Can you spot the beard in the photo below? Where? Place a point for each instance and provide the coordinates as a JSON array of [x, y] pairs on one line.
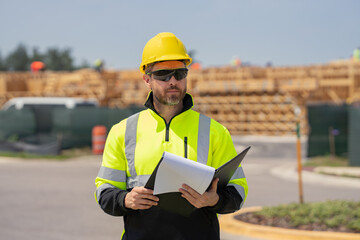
[[170, 99]]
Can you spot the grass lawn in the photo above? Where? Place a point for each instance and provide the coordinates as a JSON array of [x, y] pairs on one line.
[[335, 216], [327, 161], [65, 154]]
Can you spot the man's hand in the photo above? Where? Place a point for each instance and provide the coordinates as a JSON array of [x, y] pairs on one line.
[[140, 198], [209, 199]]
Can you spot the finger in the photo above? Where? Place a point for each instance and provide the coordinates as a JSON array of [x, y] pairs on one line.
[[142, 206], [191, 191], [190, 199], [195, 201], [213, 186], [143, 190], [149, 196], [186, 194], [146, 202]]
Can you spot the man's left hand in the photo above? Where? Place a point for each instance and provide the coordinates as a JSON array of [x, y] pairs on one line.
[[209, 199]]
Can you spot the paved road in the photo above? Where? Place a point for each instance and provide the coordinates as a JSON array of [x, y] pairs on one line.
[[53, 200]]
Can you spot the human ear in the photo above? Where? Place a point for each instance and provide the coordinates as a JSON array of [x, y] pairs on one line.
[[146, 79]]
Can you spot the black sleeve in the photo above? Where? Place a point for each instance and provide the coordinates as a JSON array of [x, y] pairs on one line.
[[112, 202], [229, 200]]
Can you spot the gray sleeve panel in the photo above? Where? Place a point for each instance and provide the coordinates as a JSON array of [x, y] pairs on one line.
[[130, 142], [239, 173], [203, 139], [112, 174], [102, 188]]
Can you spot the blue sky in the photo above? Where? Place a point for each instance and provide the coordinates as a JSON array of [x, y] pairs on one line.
[[285, 33]]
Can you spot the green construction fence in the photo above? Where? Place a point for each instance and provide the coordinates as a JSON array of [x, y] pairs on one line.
[[73, 127], [354, 136], [328, 129], [16, 124]]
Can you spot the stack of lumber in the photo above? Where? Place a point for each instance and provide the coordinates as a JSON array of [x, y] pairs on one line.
[[247, 100], [250, 114], [127, 89]]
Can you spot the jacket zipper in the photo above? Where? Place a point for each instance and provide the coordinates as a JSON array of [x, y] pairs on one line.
[[167, 131], [185, 147]]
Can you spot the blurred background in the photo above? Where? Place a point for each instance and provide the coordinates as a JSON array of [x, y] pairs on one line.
[[276, 73], [259, 67]]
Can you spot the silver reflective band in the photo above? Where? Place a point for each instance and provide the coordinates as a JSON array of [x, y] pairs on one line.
[[100, 189], [112, 174], [130, 145], [240, 190], [130, 142], [203, 139], [98, 138], [137, 181], [239, 173]]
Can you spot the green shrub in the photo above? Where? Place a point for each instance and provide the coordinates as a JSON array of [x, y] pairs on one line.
[[332, 214]]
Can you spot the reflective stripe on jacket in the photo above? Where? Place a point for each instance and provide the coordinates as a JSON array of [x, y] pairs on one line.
[[135, 145]]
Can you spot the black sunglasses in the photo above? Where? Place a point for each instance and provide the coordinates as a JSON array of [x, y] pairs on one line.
[[166, 74]]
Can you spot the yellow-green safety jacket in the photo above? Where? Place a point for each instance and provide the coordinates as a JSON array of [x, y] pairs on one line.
[[133, 149]]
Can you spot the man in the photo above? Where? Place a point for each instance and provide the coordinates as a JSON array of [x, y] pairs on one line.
[[356, 54], [37, 66], [135, 145]]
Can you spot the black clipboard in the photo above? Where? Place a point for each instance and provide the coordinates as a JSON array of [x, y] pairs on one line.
[[173, 202], [227, 170]]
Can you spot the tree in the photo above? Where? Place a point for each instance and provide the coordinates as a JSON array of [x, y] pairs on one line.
[[36, 55], [84, 64], [58, 60], [18, 60], [2, 64], [192, 54], [55, 59], [67, 60]]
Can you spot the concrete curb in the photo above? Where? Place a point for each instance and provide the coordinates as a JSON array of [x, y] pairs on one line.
[[228, 223], [288, 172], [339, 171]]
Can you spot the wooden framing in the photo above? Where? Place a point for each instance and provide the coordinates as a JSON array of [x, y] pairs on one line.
[[247, 100]]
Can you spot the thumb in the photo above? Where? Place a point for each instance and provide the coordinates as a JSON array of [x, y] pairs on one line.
[[214, 183]]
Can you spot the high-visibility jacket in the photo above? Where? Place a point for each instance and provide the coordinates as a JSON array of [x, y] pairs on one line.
[[133, 149]]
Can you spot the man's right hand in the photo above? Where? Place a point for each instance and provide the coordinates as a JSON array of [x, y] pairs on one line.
[[140, 198]]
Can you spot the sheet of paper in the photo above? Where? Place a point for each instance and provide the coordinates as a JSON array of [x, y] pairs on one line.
[[174, 171]]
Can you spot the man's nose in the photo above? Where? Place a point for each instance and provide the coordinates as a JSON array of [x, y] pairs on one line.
[[172, 80]]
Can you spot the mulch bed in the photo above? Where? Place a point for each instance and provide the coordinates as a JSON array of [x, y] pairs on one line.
[[284, 223]]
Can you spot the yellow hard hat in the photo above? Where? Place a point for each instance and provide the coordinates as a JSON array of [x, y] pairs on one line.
[[164, 47]]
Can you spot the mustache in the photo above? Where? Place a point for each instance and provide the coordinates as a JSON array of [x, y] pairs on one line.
[[173, 87]]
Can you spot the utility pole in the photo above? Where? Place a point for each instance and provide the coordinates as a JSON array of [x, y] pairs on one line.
[[297, 111]]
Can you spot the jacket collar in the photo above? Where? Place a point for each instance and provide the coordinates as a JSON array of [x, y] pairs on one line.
[[188, 102]]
